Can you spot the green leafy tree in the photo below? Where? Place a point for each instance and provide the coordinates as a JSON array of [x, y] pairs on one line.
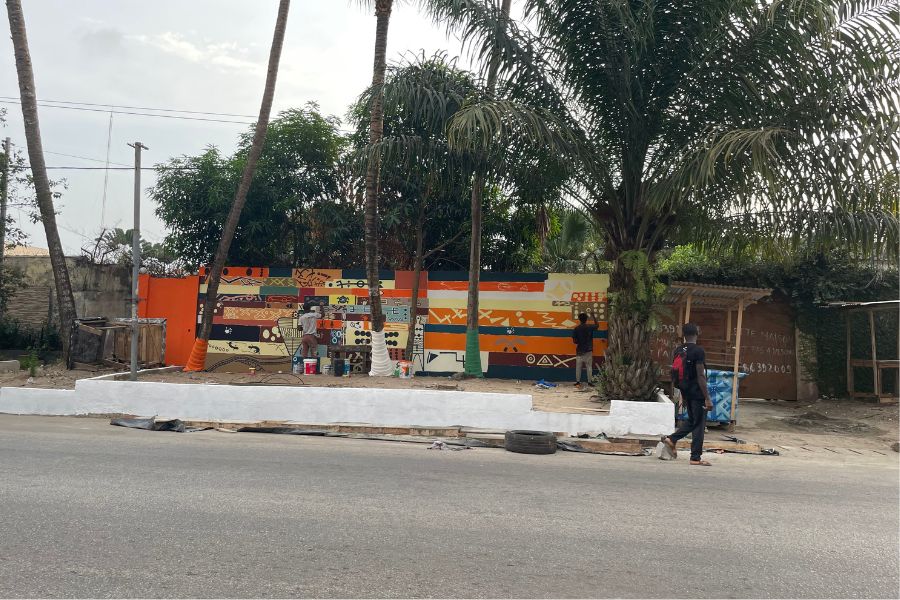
[[300, 208], [734, 123]]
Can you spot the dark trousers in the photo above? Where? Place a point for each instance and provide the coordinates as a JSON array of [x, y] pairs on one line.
[[695, 425]]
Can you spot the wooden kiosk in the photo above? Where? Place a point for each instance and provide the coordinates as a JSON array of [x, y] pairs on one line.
[[877, 366], [682, 297]]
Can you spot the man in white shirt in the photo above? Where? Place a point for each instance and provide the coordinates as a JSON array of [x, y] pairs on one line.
[[309, 343]]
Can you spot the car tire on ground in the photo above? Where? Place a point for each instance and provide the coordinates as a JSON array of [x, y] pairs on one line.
[[530, 442]]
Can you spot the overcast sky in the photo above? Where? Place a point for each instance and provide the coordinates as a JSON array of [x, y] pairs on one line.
[[201, 55]]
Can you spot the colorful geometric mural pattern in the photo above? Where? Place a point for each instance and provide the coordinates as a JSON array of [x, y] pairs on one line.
[[525, 319]]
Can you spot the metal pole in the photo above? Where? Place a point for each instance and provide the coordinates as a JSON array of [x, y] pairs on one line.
[[136, 258]]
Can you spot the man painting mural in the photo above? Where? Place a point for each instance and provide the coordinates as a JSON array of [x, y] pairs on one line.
[[689, 376], [583, 336], [309, 343]]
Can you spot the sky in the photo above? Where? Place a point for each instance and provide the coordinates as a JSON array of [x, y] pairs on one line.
[[197, 55]]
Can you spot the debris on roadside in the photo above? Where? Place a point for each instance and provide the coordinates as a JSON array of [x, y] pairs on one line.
[[152, 424], [439, 445]]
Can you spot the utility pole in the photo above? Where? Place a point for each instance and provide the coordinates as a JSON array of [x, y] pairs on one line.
[[4, 190], [136, 258]]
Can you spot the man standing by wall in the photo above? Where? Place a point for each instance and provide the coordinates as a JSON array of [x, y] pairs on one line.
[[309, 343], [689, 376], [583, 336]]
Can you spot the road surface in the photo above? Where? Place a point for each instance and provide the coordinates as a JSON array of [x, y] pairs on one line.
[[91, 510]]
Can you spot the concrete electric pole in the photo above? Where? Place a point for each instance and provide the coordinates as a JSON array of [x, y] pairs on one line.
[[136, 258]]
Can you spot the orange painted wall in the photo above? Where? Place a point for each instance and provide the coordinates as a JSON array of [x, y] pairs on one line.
[[173, 299]]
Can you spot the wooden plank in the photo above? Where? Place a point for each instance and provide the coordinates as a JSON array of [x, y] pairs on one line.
[[495, 440], [603, 446], [849, 357], [737, 357], [723, 445], [876, 373], [687, 306], [85, 366], [222, 424]]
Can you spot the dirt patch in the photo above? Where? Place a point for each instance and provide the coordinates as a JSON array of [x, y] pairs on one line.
[[815, 422], [53, 377]]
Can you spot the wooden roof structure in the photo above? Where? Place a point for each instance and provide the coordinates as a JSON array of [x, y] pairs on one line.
[[684, 296], [872, 362]]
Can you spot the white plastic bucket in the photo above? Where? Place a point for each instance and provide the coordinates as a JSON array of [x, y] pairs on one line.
[[309, 366], [406, 370]]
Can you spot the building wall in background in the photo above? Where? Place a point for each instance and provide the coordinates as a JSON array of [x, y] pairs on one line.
[[99, 290]]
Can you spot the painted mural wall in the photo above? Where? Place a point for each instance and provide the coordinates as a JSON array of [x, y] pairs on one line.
[[525, 319]]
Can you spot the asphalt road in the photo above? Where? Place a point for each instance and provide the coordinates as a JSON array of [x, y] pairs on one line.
[[91, 510]]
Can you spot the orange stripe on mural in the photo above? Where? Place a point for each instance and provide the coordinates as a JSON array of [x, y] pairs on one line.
[[503, 318], [489, 286], [509, 344]]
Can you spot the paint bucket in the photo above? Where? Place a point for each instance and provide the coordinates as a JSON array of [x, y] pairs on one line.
[[326, 370], [347, 368], [406, 370], [338, 367], [309, 366]]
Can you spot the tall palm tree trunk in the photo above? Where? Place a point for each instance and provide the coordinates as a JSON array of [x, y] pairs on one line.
[[472, 365], [418, 263], [629, 371], [64, 297], [198, 352], [380, 359]]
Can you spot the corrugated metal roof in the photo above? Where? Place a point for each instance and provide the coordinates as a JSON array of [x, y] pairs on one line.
[[711, 295]]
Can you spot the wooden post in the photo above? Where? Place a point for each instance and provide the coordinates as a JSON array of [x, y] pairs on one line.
[[687, 306], [850, 389], [728, 327], [876, 375], [737, 357]]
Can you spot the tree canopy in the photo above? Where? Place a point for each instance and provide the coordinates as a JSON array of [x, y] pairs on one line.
[[301, 208]]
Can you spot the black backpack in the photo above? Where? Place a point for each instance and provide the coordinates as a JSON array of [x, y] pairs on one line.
[[684, 371]]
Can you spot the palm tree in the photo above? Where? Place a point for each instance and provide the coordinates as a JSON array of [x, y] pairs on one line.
[[44, 194], [740, 125], [198, 352], [424, 178], [575, 247], [473, 350], [380, 359]]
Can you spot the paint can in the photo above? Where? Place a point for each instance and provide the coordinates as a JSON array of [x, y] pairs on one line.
[[309, 366], [253, 370], [347, 367], [326, 370], [338, 366], [406, 370]]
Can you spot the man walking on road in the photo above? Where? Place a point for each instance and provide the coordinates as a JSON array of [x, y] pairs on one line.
[[583, 336], [689, 376]]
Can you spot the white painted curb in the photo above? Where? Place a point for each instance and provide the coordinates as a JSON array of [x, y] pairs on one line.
[[387, 407]]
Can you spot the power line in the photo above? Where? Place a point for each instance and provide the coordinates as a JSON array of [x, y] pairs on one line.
[[84, 158], [190, 112], [140, 114], [74, 168]]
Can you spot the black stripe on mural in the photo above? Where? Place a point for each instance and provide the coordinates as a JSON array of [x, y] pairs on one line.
[[236, 333]]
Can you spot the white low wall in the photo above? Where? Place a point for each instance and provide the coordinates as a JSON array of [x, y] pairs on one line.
[[332, 405]]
